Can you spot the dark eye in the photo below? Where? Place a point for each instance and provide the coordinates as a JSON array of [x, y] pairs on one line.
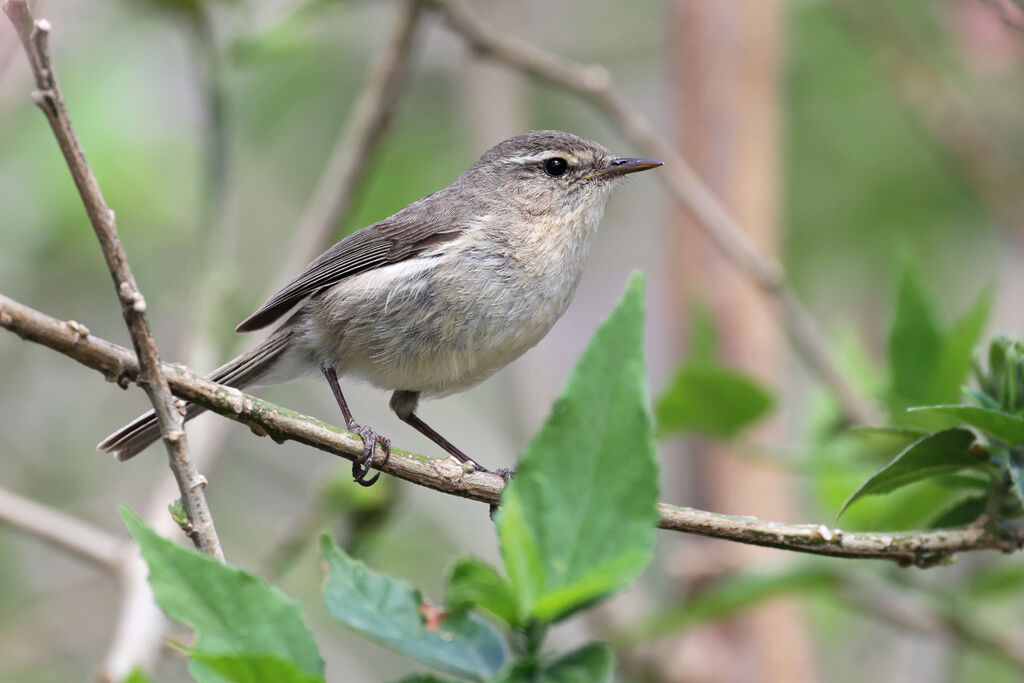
[[556, 166]]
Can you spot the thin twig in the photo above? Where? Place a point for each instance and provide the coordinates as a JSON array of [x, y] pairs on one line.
[[62, 531], [34, 38], [370, 118], [141, 626], [593, 83], [918, 548]]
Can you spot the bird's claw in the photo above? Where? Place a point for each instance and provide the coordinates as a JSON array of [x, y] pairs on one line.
[[361, 465]]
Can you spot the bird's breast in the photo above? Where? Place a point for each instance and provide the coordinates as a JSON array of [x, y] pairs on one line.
[[445, 320]]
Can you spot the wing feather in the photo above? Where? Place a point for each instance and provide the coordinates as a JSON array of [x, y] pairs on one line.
[[400, 237]]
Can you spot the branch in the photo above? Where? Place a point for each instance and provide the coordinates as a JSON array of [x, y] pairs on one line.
[[62, 531], [918, 548], [906, 548], [34, 37], [593, 83]]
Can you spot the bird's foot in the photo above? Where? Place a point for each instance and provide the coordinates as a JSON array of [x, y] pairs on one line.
[[361, 465]]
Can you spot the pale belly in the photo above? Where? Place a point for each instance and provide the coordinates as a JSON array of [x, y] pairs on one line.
[[435, 328]]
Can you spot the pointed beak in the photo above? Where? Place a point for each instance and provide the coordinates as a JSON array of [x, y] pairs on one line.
[[624, 165]]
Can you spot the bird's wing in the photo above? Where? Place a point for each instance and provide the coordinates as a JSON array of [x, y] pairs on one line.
[[394, 239]]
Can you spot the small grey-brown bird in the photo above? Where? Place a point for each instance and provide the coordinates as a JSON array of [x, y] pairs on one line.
[[439, 296]]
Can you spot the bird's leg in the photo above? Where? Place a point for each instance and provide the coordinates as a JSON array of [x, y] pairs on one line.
[[404, 403], [361, 465]]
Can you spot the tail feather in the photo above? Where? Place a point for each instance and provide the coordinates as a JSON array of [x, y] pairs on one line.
[[239, 373]]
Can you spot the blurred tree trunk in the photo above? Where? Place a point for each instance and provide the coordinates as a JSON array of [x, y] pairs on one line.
[[726, 64]]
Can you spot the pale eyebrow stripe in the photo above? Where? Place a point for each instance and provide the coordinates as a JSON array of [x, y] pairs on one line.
[[541, 156]]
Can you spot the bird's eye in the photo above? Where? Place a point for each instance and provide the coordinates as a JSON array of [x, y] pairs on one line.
[[556, 166]]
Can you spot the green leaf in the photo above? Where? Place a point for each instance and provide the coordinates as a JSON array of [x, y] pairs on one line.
[[387, 611], [982, 399], [997, 364], [255, 668], [1004, 426], [590, 664], [422, 678], [577, 521], [711, 399], [877, 443], [941, 453], [961, 513], [954, 361], [473, 583], [1015, 465], [964, 481], [903, 433], [915, 338], [231, 611]]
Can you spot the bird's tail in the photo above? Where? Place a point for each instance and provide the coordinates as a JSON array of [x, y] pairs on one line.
[[243, 371]]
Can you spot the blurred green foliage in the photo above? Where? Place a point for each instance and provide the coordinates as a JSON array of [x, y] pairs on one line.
[[864, 179]]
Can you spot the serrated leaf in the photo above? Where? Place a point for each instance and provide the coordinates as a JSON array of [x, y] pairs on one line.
[[1004, 426], [387, 611], [711, 399], [915, 338], [231, 611], [255, 668], [577, 521], [937, 454], [474, 583]]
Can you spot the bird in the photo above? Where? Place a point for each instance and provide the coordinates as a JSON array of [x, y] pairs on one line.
[[437, 297]]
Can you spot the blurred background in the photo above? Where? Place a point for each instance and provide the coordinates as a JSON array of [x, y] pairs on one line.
[[857, 141]]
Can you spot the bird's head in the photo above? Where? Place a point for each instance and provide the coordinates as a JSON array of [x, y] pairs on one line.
[[552, 173]]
